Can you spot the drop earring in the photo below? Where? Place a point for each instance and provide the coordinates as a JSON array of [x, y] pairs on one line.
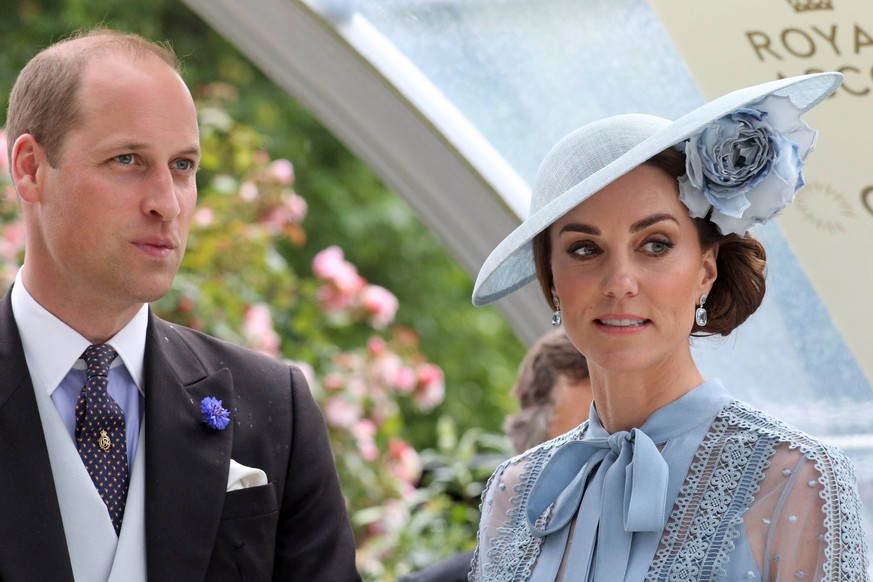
[[556, 316], [700, 315]]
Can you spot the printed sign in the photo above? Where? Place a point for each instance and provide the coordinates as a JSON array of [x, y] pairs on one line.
[[728, 45]]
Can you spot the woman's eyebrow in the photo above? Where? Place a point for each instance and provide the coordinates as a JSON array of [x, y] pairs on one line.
[[635, 227], [651, 220], [579, 227]]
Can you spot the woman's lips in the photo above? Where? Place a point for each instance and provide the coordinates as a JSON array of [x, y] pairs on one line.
[[624, 322]]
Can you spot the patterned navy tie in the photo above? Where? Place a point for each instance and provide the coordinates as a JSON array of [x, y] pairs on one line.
[[100, 435]]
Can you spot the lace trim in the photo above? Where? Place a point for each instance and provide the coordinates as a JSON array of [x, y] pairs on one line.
[[708, 512], [514, 551]]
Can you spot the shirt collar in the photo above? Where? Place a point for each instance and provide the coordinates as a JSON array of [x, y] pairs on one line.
[[52, 348]]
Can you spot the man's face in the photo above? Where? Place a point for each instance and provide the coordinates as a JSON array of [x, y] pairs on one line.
[[113, 216]]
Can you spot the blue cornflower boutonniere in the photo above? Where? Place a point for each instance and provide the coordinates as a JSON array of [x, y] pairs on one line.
[[214, 414]]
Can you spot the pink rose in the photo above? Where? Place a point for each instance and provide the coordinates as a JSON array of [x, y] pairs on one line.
[[248, 192], [326, 262], [330, 265], [385, 367], [405, 380], [347, 280], [367, 449], [403, 461], [376, 346], [204, 216], [364, 429], [258, 329], [380, 303], [283, 171], [291, 211], [364, 432], [358, 386], [339, 412], [331, 300], [431, 389], [332, 382], [296, 208]]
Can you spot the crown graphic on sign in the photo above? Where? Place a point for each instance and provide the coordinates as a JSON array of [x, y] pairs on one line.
[[807, 5]]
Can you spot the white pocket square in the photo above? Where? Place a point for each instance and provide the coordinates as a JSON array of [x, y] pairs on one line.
[[242, 477]]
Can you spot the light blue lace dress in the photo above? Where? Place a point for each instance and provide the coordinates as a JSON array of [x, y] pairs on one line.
[[706, 489]]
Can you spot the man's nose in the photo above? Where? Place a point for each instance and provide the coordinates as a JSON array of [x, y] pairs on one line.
[[162, 198]]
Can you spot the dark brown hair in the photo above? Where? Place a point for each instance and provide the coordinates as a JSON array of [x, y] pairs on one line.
[[43, 99], [741, 262]]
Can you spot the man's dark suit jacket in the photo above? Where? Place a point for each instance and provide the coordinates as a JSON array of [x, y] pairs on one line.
[[294, 528]]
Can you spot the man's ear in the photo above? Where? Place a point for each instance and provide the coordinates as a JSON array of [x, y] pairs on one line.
[[27, 159]]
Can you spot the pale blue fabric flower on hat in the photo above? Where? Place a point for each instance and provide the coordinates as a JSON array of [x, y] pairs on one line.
[[746, 166], [214, 414]]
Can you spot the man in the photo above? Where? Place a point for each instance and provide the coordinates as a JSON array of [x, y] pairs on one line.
[[188, 458], [554, 394]]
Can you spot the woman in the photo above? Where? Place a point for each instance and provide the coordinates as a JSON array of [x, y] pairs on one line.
[[638, 237]]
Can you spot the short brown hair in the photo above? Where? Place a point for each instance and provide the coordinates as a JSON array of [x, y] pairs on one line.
[[741, 263], [43, 99], [551, 356]]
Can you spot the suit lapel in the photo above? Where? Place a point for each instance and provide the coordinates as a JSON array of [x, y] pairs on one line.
[[186, 462], [28, 501]]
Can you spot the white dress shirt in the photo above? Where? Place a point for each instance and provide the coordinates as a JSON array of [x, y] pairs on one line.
[[53, 351]]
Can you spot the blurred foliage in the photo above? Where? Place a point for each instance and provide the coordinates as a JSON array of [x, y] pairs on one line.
[[233, 272]]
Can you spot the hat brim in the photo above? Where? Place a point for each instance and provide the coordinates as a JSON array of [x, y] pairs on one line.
[[510, 265]]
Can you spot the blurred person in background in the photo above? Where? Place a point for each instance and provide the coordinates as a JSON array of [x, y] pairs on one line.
[[554, 395], [553, 390]]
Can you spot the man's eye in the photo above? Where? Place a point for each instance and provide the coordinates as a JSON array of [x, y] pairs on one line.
[[183, 165], [125, 159]]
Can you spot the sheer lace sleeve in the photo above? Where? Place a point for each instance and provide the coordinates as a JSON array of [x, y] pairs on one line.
[[803, 524], [764, 501], [507, 550], [496, 510]]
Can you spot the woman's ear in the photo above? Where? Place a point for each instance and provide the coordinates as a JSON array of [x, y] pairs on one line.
[[27, 157], [709, 268]]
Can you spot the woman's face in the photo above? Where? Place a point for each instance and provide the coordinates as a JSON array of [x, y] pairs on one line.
[[629, 270]]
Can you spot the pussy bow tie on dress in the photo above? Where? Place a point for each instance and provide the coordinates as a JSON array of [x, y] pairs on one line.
[[621, 474]]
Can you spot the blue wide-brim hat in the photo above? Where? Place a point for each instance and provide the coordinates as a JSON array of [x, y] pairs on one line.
[[597, 154]]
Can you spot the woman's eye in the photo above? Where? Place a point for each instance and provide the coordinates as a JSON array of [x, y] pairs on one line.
[[125, 159], [658, 247], [583, 249]]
